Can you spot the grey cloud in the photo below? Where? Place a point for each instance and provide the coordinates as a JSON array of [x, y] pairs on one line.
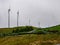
[[46, 12]]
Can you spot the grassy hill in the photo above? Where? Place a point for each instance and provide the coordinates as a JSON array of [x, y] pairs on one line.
[[42, 38], [30, 29], [31, 39], [57, 27]]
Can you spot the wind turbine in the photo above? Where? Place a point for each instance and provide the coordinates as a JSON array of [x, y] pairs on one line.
[[39, 24], [17, 18], [29, 22], [9, 17]]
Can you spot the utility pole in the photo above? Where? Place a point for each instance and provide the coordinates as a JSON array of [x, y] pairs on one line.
[[17, 18], [9, 17]]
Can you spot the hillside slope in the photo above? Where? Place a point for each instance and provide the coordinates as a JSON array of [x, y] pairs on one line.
[[57, 27], [31, 39], [29, 29]]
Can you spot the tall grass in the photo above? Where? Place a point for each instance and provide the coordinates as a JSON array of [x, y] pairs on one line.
[[31, 39]]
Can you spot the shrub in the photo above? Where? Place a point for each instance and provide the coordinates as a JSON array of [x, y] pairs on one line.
[[23, 29]]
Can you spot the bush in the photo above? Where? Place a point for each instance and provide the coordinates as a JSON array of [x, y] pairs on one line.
[[23, 29], [40, 32], [53, 31]]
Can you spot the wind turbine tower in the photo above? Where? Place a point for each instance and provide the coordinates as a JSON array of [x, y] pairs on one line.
[[17, 18], [29, 22], [9, 17], [39, 24]]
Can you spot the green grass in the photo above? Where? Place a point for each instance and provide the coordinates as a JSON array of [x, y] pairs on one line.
[[6, 30], [9, 30], [31, 39], [57, 27]]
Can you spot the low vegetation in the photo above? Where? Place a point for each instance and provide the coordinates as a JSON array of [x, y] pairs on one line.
[[31, 39], [29, 30], [29, 35]]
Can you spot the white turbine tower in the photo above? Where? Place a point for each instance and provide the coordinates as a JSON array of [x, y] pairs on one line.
[[9, 17], [29, 22], [17, 18], [39, 24]]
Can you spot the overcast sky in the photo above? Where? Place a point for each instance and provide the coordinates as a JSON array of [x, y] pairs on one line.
[[47, 12]]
